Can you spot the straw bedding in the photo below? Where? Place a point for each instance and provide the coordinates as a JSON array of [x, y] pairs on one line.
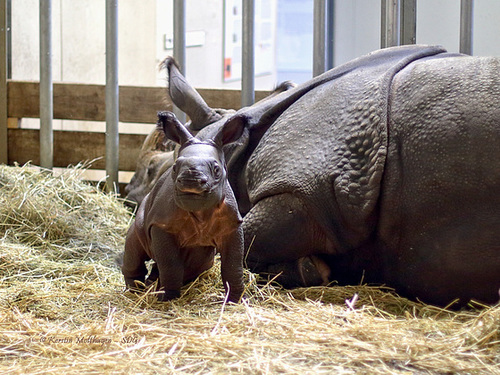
[[63, 306]]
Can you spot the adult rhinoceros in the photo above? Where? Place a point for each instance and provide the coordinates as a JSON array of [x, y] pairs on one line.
[[386, 167]]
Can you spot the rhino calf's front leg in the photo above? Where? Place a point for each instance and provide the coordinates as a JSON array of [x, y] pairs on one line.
[[168, 258]]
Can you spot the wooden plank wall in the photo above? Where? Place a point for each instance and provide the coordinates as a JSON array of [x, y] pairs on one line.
[[72, 147], [86, 102]]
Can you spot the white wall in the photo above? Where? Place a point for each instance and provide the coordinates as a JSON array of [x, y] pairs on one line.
[[357, 26], [204, 64], [294, 47], [79, 41], [486, 28], [357, 29], [78, 46], [438, 22]]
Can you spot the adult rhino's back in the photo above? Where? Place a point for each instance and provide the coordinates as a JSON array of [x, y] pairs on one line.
[[440, 203], [329, 147]]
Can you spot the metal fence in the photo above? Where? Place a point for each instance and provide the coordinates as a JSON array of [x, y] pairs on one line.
[[398, 26]]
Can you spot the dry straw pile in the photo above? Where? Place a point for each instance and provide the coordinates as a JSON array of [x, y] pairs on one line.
[[63, 307]]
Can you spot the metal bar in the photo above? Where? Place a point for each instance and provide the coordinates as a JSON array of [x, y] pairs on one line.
[[319, 36], [466, 26], [180, 45], [248, 54], [330, 34], [389, 23], [46, 89], [4, 156], [408, 22], [112, 97], [9, 39]]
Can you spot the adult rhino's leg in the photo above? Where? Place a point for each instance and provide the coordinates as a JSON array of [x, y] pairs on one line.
[[282, 241]]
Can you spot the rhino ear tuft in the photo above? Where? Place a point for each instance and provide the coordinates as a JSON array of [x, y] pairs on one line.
[[173, 128], [168, 62], [186, 98], [232, 130]]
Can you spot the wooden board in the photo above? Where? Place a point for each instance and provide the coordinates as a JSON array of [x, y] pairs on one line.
[[86, 102], [71, 147]]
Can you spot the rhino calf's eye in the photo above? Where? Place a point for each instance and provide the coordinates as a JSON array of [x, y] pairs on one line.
[[217, 170]]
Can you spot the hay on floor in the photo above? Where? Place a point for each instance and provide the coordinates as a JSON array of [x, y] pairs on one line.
[[63, 306]]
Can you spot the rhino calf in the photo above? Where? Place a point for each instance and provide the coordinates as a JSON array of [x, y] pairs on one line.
[[189, 215]]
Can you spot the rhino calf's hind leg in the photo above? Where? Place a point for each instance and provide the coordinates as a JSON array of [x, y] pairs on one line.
[[282, 241]]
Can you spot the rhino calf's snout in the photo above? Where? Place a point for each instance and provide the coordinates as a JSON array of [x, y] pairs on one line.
[[192, 182]]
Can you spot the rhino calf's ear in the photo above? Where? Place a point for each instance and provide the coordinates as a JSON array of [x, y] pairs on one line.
[[173, 128], [231, 131]]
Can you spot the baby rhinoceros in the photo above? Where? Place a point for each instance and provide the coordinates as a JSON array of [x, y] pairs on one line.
[[189, 215]]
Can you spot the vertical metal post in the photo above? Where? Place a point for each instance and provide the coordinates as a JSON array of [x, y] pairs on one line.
[[112, 97], [180, 44], [248, 65], [4, 156], [389, 23], [46, 88], [9, 39], [319, 36], [330, 34], [408, 22], [466, 26]]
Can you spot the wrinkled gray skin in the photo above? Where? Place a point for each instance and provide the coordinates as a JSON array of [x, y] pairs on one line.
[[385, 168], [157, 155]]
